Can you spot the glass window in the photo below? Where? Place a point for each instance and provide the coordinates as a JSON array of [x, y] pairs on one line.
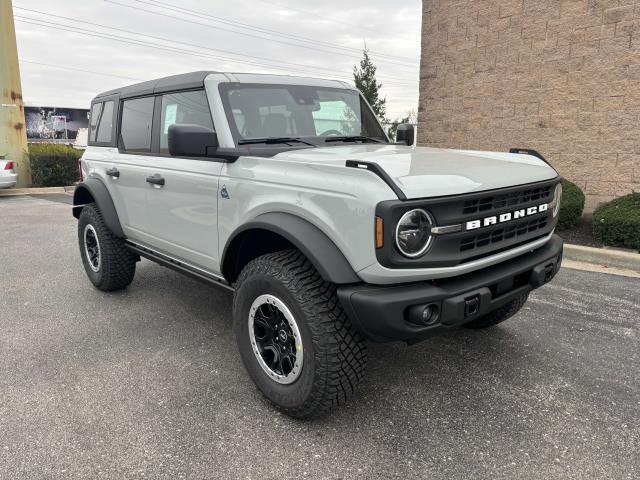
[[336, 116], [267, 111], [183, 107], [95, 118], [135, 129], [106, 123]]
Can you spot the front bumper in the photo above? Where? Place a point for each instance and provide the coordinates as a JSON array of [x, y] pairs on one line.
[[381, 313]]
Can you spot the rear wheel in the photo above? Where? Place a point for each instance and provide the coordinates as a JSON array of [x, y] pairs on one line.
[[499, 315], [107, 261], [294, 338]]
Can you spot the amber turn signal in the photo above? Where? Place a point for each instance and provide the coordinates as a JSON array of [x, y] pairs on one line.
[[379, 230]]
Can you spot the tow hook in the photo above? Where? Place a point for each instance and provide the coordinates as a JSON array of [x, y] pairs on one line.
[[471, 306]]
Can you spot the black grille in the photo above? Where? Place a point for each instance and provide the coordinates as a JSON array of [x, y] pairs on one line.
[[458, 247], [496, 236], [511, 199]]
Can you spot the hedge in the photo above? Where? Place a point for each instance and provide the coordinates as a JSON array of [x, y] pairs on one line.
[[571, 205], [617, 223], [53, 165]]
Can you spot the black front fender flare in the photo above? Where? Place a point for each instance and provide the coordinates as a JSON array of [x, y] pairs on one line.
[[94, 190], [325, 256]]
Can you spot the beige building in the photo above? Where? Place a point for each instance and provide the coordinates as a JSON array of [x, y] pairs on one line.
[[558, 76]]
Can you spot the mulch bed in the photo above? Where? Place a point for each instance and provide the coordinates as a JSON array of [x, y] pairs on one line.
[[581, 234]]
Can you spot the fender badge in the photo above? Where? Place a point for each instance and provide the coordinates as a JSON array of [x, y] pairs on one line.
[[223, 192]]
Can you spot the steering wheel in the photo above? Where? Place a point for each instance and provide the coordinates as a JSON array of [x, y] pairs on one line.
[[330, 133]]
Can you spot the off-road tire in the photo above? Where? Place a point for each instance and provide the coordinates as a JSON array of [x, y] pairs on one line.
[[117, 265], [334, 352], [499, 315]]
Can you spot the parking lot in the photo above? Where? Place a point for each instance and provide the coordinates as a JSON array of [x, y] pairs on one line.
[[148, 383]]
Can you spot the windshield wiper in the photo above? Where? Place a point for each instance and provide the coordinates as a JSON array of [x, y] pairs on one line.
[[273, 140], [353, 138]]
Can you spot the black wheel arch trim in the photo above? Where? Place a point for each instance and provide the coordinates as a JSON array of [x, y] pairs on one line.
[[97, 190], [321, 251]]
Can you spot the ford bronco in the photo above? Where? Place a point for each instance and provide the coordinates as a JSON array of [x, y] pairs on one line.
[[288, 191]]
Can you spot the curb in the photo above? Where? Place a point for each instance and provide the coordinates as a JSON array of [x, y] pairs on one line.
[[592, 267], [606, 257], [10, 192]]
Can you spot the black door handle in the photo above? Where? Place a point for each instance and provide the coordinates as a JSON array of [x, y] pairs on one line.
[[155, 180], [113, 172]]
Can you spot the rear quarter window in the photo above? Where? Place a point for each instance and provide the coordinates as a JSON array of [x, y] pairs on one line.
[[105, 126], [96, 109]]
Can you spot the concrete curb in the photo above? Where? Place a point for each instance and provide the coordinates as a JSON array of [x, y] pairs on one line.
[[606, 257], [592, 267], [10, 192]]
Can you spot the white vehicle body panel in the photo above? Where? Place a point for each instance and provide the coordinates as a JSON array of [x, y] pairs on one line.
[[423, 172], [8, 178], [339, 201], [182, 216]]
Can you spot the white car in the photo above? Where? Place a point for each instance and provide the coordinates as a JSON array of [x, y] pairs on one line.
[[8, 177], [288, 191]]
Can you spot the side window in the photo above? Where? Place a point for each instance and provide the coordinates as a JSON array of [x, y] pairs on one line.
[[183, 107], [135, 127], [95, 118], [106, 123]]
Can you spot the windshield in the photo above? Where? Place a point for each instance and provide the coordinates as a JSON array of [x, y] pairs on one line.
[[260, 111]]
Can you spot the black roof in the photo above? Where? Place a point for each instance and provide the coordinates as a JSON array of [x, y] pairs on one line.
[[165, 84]]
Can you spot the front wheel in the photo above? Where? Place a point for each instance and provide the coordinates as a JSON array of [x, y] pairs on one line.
[[293, 336]]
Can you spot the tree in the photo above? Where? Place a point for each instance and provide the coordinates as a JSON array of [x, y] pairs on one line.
[[364, 76]]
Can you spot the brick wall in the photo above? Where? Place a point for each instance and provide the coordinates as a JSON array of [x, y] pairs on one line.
[[560, 76]]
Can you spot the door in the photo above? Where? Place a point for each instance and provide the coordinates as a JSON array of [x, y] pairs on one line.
[[126, 175], [182, 204]]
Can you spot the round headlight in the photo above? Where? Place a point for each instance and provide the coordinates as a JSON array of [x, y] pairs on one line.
[[557, 196], [413, 233]]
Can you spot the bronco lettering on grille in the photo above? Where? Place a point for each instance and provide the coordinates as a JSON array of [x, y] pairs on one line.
[[506, 217]]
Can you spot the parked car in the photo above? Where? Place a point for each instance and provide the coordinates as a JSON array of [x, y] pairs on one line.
[[8, 177], [288, 192]]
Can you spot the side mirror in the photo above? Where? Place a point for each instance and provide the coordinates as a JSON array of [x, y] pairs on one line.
[[189, 140], [405, 134]]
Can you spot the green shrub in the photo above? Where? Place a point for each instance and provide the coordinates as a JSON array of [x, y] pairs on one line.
[[571, 205], [617, 223], [53, 165]]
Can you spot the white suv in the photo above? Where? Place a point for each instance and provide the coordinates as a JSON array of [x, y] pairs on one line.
[[288, 191]]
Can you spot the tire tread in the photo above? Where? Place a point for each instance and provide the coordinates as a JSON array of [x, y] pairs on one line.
[[340, 348], [118, 262]]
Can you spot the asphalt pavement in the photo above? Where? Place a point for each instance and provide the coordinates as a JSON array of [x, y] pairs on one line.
[[147, 383]]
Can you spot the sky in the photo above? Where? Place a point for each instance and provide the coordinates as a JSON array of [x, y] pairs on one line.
[[69, 51]]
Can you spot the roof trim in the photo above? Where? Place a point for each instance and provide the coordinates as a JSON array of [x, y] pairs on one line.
[[175, 82], [185, 81]]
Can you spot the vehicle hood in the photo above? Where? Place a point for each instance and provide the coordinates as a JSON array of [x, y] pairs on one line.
[[428, 172]]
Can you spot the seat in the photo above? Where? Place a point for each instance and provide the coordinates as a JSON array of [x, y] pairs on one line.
[[275, 125]]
